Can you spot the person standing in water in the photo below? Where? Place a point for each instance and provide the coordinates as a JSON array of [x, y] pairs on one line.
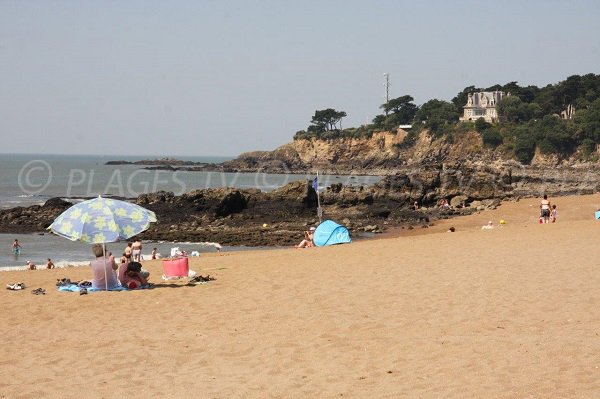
[[16, 247]]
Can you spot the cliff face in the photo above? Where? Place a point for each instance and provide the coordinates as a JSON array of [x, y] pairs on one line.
[[335, 156], [387, 152], [379, 154]]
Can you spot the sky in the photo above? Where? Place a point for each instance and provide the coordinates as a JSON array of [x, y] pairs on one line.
[[218, 78]]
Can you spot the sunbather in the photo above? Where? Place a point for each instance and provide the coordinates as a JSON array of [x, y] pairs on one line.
[[308, 239], [133, 278]]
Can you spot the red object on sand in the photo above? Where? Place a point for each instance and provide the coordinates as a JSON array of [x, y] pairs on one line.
[[176, 267]]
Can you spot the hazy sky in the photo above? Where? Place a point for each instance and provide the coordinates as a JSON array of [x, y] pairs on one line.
[[223, 77]]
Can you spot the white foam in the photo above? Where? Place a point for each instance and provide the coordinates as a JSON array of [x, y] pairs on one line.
[[57, 265]]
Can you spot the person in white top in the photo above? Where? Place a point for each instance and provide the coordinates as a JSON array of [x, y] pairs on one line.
[[545, 209]]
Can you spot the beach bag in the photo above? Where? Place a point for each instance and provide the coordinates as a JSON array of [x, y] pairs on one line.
[[176, 267]]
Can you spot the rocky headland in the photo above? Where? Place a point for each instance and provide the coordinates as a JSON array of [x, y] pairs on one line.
[[466, 173]]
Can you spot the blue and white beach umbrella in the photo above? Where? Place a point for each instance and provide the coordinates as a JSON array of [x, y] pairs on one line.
[[101, 220]]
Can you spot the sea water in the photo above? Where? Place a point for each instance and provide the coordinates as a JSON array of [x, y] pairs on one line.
[[27, 179], [38, 247]]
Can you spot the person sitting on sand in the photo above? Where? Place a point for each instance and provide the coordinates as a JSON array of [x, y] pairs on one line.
[[103, 270], [133, 277], [308, 239], [31, 265], [50, 264]]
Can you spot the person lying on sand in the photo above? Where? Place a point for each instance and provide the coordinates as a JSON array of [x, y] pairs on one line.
[[488, 226]]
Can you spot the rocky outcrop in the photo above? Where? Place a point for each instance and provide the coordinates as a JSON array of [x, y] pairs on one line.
[[470, 177], [34, 218], [251, 217]]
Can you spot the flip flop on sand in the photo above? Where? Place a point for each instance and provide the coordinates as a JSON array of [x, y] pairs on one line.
[[83, 291], [39, 291], [201, 279], [15, 286]]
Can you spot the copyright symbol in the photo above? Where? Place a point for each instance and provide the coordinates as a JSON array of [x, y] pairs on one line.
[[35, 176]]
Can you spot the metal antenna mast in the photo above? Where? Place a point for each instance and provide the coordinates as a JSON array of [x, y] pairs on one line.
[[387, 85]]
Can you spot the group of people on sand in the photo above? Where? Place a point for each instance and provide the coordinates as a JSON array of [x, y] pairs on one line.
[[107, 274], [32, 266]]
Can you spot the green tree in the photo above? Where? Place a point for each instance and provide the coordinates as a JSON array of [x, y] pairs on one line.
[[379, 122], [437, 116], [513, 109], [481, 125], [402, 108], [524, 144], [461, 98], [492, 137], [587, 122], [553, 135], [327, 119]]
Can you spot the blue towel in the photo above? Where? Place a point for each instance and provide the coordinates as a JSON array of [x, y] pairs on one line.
[[76, 288]]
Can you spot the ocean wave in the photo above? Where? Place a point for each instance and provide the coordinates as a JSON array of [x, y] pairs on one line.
[[58, 265], [31, 196]]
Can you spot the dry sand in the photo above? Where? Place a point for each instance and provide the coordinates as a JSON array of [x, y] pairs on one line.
[[507, 313]]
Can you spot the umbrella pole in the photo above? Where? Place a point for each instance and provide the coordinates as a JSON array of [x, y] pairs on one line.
[[104, 260]]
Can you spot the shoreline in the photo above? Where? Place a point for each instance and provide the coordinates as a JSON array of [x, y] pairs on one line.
[[459, 222]]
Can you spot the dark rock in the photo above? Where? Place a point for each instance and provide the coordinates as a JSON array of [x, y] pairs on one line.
[[57, 202]]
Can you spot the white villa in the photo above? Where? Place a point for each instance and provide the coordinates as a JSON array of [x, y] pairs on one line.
[[482, 105]]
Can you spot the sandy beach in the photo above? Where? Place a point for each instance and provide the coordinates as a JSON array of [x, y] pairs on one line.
[[505, 313]]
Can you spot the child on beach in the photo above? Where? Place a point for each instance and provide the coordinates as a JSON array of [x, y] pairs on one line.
[[16, 247], [553, 214], [153, 253], [31, 265]]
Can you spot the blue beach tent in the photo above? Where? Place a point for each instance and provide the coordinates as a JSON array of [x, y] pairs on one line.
[[330, 233]]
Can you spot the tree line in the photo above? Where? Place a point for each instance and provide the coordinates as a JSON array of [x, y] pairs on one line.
[[528, 118]]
